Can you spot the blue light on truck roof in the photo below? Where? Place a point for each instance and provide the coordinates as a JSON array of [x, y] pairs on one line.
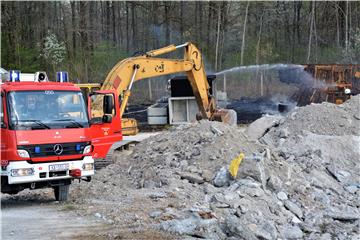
[[37, 149], [14, 76], [62, 76]]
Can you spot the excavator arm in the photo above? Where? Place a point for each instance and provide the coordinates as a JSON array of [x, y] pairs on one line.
[[126, 72]]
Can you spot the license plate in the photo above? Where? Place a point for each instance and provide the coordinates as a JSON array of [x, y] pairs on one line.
[[58, 167]]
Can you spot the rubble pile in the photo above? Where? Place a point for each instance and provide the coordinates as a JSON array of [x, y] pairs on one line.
[[194, 152], [300, 178], [319, 146]]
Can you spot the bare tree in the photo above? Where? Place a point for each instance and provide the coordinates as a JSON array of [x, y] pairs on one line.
[[244, 34], [312, 20], [337, 25], [268, 31], [347, 27], [259, 39], [217, 37]]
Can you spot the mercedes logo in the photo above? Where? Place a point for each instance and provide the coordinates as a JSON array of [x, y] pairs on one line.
[[58, 149]]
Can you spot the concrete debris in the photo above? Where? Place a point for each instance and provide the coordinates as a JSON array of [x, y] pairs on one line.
[[222, 178], [156, 195], [299, 179], [352, 215], [207, 175], [296, 220], [325, 236], [155, 214], [291, 232], [258, 128], [352, 189], [216, 130], [194, 226], [295, 209], [253, 166], [193, 178], [284, 133], [282, 196], [235, 228], [264, 229]]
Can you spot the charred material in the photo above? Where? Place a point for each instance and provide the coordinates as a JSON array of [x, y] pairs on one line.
[[331, 83]]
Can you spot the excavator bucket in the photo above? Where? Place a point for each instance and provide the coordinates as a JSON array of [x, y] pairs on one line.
[[228, 116]]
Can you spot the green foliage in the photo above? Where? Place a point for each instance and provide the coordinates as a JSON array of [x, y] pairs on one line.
[[103, 58], [329, 54], [93, 65], [21, 58], [357, 42], [53, 51], [351, 54], [88, 48], [267, 54]]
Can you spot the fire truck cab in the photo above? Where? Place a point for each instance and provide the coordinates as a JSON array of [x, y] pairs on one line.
[[47, 136]]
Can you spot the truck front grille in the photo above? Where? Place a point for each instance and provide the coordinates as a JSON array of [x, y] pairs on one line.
[[46, 150]]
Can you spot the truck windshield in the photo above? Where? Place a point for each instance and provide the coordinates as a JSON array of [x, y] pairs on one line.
[[31, 110]]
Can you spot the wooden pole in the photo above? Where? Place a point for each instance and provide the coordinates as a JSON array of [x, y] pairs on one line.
[[217, 39]]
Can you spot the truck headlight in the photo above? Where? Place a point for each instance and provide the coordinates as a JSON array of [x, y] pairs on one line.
[[22, 172], [23, 153], [347, 91], [88, 166], [87, 149]]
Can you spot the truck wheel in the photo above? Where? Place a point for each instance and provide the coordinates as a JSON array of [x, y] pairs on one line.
[[61, 192]]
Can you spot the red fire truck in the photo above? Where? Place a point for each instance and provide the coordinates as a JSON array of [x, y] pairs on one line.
[[48, 138]]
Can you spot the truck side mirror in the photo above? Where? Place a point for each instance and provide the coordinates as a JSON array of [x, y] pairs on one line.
[[108, 104], [107, 119]]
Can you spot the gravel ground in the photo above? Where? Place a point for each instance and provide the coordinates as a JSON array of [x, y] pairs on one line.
[[35, 215], [299, 180]]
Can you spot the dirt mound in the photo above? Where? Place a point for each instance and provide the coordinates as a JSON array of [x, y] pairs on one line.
[[319, 145], [323, 119], [299, 180], [200, 148]]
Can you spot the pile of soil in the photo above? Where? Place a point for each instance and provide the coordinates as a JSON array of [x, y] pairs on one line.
[[299, 179]]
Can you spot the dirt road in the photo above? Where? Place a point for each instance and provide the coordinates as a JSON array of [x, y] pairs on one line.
[[35, 215]]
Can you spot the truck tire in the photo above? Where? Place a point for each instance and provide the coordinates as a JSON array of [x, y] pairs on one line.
[[62, 192]]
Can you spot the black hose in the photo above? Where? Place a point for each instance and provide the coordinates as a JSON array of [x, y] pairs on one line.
[[138, 53]]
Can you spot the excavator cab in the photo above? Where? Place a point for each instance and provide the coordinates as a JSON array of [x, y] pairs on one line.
[[129, 126]]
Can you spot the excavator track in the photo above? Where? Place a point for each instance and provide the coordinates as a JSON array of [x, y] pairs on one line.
[[109, 159]]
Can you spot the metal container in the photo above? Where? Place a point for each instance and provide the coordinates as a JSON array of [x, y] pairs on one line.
[[157, 115], [182, 110]]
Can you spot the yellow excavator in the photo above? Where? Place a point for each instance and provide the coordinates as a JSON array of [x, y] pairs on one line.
[[126, 72]]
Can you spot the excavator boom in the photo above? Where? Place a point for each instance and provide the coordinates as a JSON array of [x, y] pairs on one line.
[[133, 69], [126, 72]]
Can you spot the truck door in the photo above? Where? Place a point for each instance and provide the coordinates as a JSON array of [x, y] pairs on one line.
[[8, 139], [104, 111], [4, 134]]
